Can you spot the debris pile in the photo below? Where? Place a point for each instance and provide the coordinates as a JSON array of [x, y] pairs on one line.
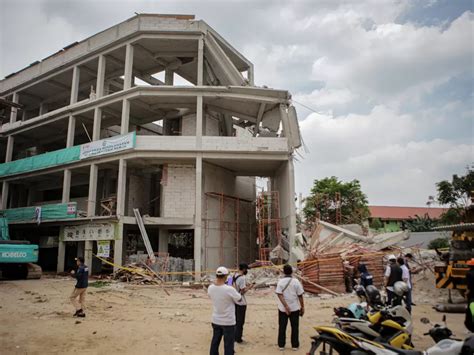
[[141, 270], [333, 253], [325, 270], [137, 273]]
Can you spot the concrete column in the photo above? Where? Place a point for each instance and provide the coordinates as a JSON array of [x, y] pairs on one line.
[[9, 152], [163, 241], [169, 77], [200, 62], [5, 189], [100, 77], [71, 131], [199, 122], [292, 207], [121, 188], [88, 246], [118, 246], [128, 71], [66, 185], [250, 75], [14, 110], [91, 201], [97, 123], [91, 211], [76, 75], [67, 172], [61, 252], [43, 108], [198, 218], [125, 122]]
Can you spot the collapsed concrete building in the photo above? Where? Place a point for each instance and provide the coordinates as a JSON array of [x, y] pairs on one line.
[[158, 113]]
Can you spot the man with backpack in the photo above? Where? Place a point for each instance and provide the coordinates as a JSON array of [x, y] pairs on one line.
[[290, 306], [239, 281]]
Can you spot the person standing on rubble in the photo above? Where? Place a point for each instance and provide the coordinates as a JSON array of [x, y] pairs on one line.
[[365, 277], [406, 278], [224, 298], [239, 281], [290, 306], [79, 292], [393, 273]]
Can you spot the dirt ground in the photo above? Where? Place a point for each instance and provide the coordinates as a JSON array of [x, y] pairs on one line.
[[36, 318]]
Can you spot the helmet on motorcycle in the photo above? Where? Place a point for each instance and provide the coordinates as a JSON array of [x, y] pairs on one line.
[[400, 288], [357, 310], [373, 295]]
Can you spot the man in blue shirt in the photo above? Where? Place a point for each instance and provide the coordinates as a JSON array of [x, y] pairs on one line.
[[82, 277]]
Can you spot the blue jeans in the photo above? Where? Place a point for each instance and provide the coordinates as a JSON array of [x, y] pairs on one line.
[[219, 331]]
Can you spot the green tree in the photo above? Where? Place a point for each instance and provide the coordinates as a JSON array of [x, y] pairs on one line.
[[323, 201], [421, 224], [376, 224], [456, 194], [439, 243]]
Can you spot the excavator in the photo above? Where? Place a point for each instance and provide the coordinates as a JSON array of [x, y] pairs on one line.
[[17, 257], [452, 275]]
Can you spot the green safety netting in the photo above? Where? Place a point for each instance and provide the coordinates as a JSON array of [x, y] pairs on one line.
[[42, 161], [48, 212]]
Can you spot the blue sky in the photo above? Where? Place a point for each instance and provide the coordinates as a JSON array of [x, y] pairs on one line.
[[390, 82]]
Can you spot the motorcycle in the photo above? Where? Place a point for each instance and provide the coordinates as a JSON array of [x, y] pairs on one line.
[[334, 340], [392, 325]]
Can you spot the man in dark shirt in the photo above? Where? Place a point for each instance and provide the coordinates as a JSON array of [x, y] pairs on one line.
[[393, 273], [82, 277]]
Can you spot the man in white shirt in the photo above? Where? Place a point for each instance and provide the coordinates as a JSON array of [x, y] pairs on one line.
[[407, 279], [290, 306], [223, 299]]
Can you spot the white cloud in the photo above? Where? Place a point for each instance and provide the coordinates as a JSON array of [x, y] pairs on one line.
[[326, 98], [379, 150], [368, 75], [393, 61]]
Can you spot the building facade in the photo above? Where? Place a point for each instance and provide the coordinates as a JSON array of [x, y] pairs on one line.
[[158, 113], [395, 218]]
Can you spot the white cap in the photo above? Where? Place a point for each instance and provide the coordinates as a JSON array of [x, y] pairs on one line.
[[221, 270], [392, 257]]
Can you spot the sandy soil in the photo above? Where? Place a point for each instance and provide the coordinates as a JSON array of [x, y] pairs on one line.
[[36, 318]]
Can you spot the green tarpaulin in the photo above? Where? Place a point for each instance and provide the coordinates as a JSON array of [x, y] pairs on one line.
[[48, 212], [42, 161]]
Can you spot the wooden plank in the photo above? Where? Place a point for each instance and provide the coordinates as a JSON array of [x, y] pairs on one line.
[[144, 234]]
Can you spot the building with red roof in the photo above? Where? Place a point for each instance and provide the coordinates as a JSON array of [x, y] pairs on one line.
[[393, 217]]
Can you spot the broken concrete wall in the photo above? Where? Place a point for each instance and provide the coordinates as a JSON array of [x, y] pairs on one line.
[[210, 125], [178, 191], [138, 192], [225, 218]]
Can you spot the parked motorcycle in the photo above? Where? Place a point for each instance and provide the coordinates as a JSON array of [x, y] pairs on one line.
[[336, 341], [391, 325]]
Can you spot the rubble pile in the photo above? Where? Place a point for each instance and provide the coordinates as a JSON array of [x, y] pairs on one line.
[[137, 273], [325, 270], [333, 253]]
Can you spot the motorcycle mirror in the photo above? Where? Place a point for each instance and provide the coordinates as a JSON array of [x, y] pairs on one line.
[[424, 320]]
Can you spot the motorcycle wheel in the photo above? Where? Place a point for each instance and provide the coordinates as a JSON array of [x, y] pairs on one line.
[[326, 350]]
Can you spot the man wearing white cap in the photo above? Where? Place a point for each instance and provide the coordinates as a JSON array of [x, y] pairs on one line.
[[223, 298]]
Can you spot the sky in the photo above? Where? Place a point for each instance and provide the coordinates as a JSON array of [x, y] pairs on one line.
[[383, 89]]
